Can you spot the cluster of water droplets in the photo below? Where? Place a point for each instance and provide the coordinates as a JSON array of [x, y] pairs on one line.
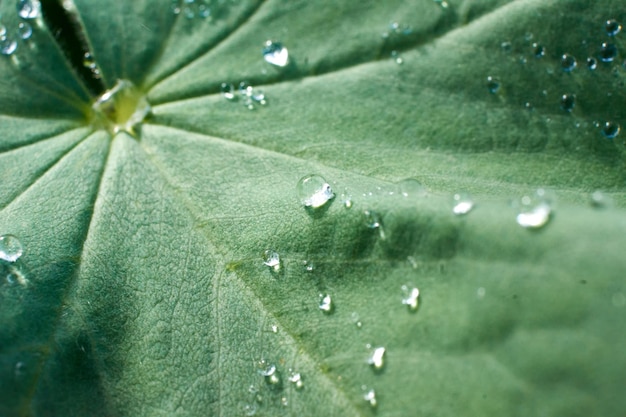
[[191, 9], [603, 54], [26, 11], [250, 97]]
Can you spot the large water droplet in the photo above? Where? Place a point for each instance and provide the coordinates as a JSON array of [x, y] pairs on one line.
[[275, 53], [410, 297], [24, 30], [270, 374], [228, 91], [610, 130], [377, 358], [612, 27], [272, 260], [122, 108], [535, 210], [608, 52], [7, 46], [568, 62], [28, 9], [10, 248], [326, 303], [370, 397], [296, 379], [314, 191], [493, 84], [463, 204], [568, 101]]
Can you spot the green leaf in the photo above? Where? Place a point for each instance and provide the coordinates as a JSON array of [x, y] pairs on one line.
[[142, 289]]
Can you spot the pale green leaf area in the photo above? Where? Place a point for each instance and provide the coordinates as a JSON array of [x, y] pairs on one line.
[[142, 289]]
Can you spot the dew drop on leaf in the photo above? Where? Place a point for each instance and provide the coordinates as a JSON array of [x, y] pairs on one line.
[[608, 52], [228, 91], [410, 187], [568, 101], [612, 27], [377, 357], [272, 260], [568, 62], [372, 219], [270, 374], [610, 130], [370, 396], [356, 320], [493, 84], [539, 51], [275, 53], [121, 108], [326, 303], [296, 379], [250, 410], [535, 210], [10, 248], [29, 9], [592, 63], [7, 46], [410, 297], [395, 55], [24, 30], [314, 191], [598, 199], [463, 204]]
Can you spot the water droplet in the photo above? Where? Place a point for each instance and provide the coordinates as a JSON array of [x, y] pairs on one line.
[[370, 397], [296, 379], [372, 219], [410, 297], [275, 53], [608, 52], [326, 303], [274, 328], [600, 200], [272, 260], [250, 410], [463, 204], [567, 102], [612, 27], [568, 62], [610, 130], [122, 108], [7, 46], [29, 9], [592, 63], [411, 187], [10, 248], [539, 50], [309, 266], [493, 84], [3, 31], [397, 57], [535, 211], [284, 401], [24, 30], [228, 91], [346, 199], [251, 96], [356, 320], [89, 61], [314, 191], [270, 374], [506, 46], [377, 358]]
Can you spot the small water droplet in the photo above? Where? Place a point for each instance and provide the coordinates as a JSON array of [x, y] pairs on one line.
[[250, 410], [20, 369], [463, 204], [314, 191], [410, 297], [228, 91], [274, 328], [610, 130], [493, 84], [370, 397], [535, 210], [506, 46], [539, 51], [28, 9], [7, 46], [10, 248], [568, 62], [251, 96], [275, 53], [270, 374], [411, 187], [377, 358], [568, 101], [372, 219], [3, 31], [397, 57], [296, 379], [356, 320], [608, 52], [309, 266], [24, 30], [272, 260], [284, 401], [592, 63], [346, 199], [326, 303], [88, 60], [600, 200], [612, 27]]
